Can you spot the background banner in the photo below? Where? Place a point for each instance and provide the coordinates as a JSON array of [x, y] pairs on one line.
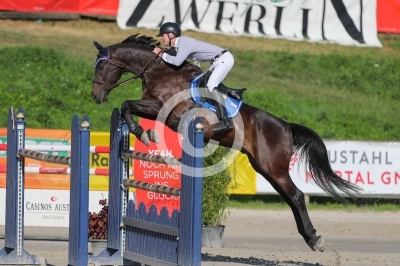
[[388, 15], [350, 22], [374, 166], [94, 7], [40, 137], [243, 176]]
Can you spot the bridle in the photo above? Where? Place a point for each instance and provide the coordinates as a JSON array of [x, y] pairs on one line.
[[105, 89]]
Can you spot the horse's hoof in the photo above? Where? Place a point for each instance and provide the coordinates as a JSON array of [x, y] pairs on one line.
[[154, 137], [320, 245], [144, 138], [311, 245]]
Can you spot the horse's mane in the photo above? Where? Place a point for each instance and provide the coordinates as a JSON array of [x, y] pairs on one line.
[[142, 41], [145, 42]]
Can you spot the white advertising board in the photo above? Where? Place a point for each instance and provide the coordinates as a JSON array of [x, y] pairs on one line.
[[374, 166], [50, 207], [350, 22]]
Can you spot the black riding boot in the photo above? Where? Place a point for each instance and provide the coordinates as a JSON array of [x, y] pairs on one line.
[[224, 123]]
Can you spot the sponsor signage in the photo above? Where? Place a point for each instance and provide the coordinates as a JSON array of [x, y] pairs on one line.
[[350, 22], [158, 174], [103, 7], [59, 138], [46, 207], [374, 166]]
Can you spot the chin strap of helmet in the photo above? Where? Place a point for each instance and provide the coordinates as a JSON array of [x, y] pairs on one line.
[[170, 39]]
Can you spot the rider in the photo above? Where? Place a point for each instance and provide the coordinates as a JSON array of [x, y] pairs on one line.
[[221, 63]]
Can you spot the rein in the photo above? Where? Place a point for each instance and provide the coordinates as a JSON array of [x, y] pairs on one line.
[[108, 58]]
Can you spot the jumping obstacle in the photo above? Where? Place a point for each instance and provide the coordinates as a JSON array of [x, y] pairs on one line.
[[137, 235], [58, 170], [13, 251], [58, 148]]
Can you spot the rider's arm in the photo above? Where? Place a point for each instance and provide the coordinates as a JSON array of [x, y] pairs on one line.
[[183, 51], [175, 60]]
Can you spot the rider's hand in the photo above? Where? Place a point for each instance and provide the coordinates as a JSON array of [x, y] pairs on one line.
[[158, 51]]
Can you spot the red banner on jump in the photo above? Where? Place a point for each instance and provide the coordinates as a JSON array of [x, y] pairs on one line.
[[159, 174]]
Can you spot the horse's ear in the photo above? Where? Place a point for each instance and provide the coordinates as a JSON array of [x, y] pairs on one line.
[[98, 46]]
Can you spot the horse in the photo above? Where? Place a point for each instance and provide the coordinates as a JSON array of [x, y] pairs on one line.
[[268, 141]]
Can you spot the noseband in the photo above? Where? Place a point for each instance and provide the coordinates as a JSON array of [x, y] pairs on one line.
[[105, 90]]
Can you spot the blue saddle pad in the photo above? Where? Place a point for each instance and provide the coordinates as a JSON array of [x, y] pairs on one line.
[[232, 105]]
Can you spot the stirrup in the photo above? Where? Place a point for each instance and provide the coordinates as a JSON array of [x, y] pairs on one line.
[[235, 93]]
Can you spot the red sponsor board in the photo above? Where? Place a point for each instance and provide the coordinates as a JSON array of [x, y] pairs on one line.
[[388, 16], [95, 7], [159, 174]]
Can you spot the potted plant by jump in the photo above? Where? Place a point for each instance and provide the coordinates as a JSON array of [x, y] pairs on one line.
[[215, 196], [98, 223]]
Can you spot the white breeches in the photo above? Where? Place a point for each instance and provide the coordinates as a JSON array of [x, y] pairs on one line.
[[221, 68]]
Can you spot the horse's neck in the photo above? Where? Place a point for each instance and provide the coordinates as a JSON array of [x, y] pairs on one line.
[[136, 60]]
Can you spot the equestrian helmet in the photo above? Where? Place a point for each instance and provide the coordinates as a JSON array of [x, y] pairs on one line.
[[170, 27]]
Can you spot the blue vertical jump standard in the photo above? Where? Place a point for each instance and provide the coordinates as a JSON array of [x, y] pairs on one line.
[[13, 252], [140, 236]]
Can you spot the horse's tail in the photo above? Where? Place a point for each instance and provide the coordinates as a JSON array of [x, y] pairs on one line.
[[313, 153]]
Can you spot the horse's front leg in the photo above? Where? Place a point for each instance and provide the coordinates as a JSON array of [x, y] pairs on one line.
[[143, 108]]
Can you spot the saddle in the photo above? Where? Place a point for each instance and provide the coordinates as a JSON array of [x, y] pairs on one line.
[[199, 94]]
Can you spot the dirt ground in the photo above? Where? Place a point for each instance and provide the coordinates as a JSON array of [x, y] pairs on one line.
[[352, 238], [269, 237]]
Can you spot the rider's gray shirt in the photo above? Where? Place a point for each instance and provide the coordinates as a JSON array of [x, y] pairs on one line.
[[189, 47]]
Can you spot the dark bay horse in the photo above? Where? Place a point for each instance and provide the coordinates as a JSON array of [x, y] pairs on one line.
[[268, 141]]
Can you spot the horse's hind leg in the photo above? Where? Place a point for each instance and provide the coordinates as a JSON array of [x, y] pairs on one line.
[[283, 184], [295, 199]]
